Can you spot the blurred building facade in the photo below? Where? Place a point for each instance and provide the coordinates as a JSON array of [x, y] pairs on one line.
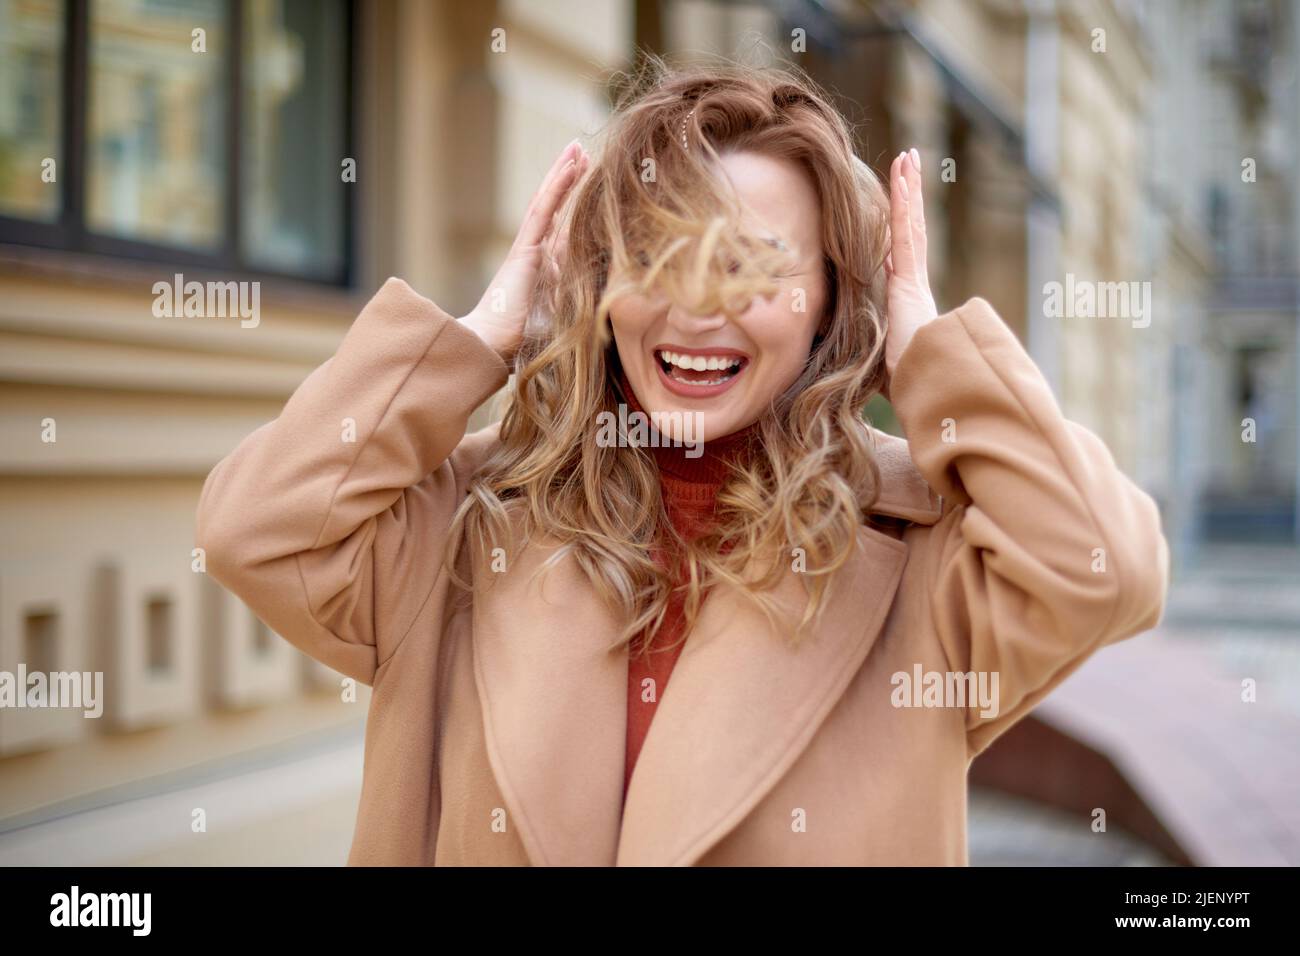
[[1049, 152], [112, 416]]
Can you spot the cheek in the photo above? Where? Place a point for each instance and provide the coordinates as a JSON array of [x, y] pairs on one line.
[[634, 314], [784, 328], [629, 321]]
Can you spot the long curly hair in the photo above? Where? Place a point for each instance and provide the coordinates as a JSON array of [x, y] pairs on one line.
[[652, 213]]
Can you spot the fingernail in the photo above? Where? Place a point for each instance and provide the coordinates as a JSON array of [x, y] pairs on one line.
[[916, 159], [902, 187]]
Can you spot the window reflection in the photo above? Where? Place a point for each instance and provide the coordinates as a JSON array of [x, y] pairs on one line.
[[31, 50], [295, 99], [153, 169], [155, 151]]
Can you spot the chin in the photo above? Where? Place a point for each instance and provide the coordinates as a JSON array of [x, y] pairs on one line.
[[717, 426]]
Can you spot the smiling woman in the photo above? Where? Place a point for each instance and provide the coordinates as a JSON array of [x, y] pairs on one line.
[[520, 596], [755, 238]]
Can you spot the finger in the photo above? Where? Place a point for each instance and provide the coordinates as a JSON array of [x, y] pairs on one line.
[[557, 245], [537, 222], [893, 189], [557, 239], [916, 203], [562, 237], [890, 178], [900, 223], [570, 152], [889, 256]]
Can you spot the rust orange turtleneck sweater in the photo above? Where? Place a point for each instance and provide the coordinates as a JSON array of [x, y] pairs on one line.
[[689, 487]]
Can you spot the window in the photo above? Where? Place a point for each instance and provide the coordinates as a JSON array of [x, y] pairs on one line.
[[158, 634], [195, 132], [41, 640], [31, 49]]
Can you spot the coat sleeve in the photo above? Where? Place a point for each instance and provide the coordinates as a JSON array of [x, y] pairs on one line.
[[329, 521], [1045, 550]]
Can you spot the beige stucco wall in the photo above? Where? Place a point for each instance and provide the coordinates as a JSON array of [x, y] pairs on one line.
[[98, 524]]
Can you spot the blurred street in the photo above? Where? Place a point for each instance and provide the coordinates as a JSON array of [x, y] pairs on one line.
[[1235, 616], [292, 805]]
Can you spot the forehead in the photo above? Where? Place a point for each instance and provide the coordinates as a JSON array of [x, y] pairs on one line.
[[780, 197]]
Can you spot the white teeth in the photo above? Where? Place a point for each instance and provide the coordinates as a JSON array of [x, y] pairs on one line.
[[716, 381], [699, 363]]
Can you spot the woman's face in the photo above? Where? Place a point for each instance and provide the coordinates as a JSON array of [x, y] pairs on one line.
[[770, 340]]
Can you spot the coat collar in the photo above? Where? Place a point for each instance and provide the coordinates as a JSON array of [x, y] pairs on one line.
[[739, 710], [904, 492]]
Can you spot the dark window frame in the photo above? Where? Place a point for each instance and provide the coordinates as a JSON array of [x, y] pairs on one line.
[[69, 232]]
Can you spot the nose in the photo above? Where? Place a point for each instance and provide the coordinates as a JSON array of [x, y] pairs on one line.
[[689, 325]]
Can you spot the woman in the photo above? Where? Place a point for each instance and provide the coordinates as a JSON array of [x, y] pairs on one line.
[[845, 618]]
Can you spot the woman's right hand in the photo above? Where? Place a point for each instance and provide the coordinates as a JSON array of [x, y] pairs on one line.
[[500, 315]]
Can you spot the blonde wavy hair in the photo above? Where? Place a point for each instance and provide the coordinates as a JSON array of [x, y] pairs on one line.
[[651, 212]]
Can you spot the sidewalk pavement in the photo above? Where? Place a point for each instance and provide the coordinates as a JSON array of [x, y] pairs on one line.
[[1167, 710]]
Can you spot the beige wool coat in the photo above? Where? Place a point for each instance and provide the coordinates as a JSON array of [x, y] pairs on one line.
[[1006, 542]]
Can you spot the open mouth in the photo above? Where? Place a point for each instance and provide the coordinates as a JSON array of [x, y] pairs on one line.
[[694, 373]]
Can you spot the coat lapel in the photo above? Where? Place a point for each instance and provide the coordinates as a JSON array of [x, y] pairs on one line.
[[554, 702], [742, 705], [739, 710]]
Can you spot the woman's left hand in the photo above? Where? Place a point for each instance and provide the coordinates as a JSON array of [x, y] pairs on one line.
[[909, 303]]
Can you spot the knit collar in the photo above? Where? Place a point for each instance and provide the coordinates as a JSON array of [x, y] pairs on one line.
[[709, 469]]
